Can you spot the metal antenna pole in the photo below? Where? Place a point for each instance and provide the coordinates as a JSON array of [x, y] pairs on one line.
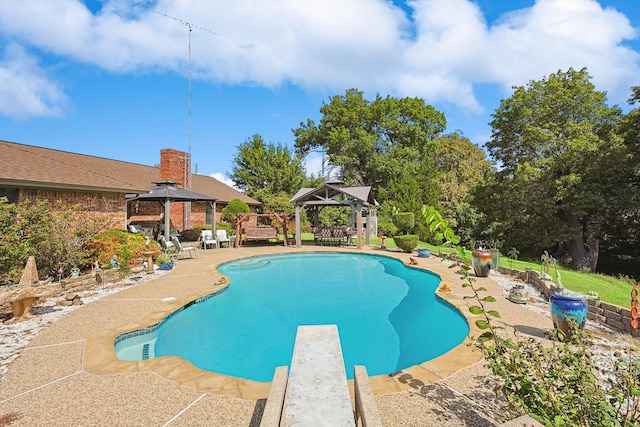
[[187, 161]]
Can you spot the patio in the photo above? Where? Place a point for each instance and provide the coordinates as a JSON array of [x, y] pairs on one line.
[[49, 382]]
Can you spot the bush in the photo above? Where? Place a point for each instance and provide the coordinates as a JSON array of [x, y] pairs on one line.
[[232, 209], [126, 246], [190, 235], [226, 226], [407, 242], [405, 221], [59, 238], [387, 228]]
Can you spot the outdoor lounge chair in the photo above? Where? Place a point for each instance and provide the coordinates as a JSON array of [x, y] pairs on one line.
[[207, 240], [167, 247], [222, 238], [181, 250]]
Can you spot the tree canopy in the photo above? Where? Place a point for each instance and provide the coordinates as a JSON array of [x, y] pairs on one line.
[[262, 169], [374, 142], [552, 140]]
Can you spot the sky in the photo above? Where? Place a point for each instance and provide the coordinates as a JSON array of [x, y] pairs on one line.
[[111, 78]]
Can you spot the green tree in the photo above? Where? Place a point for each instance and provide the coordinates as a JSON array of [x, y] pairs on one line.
[[621, 241], [233, 208], [461, 165], [551, 140], [266, 169], [372, 143]]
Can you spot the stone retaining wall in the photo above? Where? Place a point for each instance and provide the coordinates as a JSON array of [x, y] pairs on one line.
[[88, 280], [617, 318]]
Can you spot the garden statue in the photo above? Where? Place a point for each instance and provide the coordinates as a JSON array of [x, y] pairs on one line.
[[27, 292]]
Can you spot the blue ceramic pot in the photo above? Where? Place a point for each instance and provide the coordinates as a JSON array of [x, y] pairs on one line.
[[564, 307], [424, 253], [167, 266]]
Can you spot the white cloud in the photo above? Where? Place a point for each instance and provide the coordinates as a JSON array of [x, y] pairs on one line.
[[25, 88], [222, 178], [439, 55], [555, 35]]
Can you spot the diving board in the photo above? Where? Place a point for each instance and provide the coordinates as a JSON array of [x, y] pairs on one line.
[[317, 392]]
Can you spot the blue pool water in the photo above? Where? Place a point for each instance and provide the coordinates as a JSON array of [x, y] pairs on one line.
[[387, 314]]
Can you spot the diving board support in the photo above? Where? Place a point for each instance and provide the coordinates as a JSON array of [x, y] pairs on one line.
[[366, 409], [273, 408], [317, 391]]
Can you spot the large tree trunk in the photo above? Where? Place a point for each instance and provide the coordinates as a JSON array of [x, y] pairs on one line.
[[581, 257]]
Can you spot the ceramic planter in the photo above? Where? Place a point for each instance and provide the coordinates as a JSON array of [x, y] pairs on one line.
[[518, 294], [424, 253], [565, 307], [481, 260], [166, 266]]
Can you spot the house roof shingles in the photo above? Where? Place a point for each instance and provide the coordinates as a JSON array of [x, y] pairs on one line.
[[30, 166]]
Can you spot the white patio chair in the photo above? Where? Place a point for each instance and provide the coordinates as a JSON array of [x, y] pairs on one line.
[[191, 250], [222, 238], [207, 240]]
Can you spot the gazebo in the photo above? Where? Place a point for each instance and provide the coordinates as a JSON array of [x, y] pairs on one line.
[[166, 192], [333, 193]]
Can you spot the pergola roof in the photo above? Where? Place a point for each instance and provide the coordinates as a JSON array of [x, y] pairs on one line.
[[332, 193]]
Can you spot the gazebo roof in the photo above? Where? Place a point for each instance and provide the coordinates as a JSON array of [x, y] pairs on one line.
[[333, 193], [167, 191]]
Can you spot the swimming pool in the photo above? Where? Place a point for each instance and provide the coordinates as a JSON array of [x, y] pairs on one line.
[[387, 314]]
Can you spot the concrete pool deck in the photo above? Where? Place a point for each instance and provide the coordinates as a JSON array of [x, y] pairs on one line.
[[69, 375]]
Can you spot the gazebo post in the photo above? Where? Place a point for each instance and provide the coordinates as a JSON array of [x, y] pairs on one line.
[[167, 220], [298, 235], [358, 207]]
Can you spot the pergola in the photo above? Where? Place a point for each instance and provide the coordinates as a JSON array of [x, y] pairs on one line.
[[333, 193]]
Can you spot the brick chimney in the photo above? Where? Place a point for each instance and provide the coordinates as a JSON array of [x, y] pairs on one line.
[[173, 166]]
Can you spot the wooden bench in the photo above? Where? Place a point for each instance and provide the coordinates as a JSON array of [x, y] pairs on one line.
[[261, 233]]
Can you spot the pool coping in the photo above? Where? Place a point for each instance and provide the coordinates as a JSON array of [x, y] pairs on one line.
[[99, 356]]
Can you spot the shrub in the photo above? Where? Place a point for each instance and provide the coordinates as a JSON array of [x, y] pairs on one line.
[[126, 246], [387, 228], [407, 242], [59, 238], [226, 226], [232, 209], [190, 235], [405, 221]]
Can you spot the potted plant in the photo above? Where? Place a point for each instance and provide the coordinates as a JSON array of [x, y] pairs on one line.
[[164, 261]]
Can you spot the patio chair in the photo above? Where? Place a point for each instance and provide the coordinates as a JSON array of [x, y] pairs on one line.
[[207, 240], [181, 249], [222, 238], [167, 247]]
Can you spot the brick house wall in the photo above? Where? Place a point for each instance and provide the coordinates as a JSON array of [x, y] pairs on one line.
[[104, 205]]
